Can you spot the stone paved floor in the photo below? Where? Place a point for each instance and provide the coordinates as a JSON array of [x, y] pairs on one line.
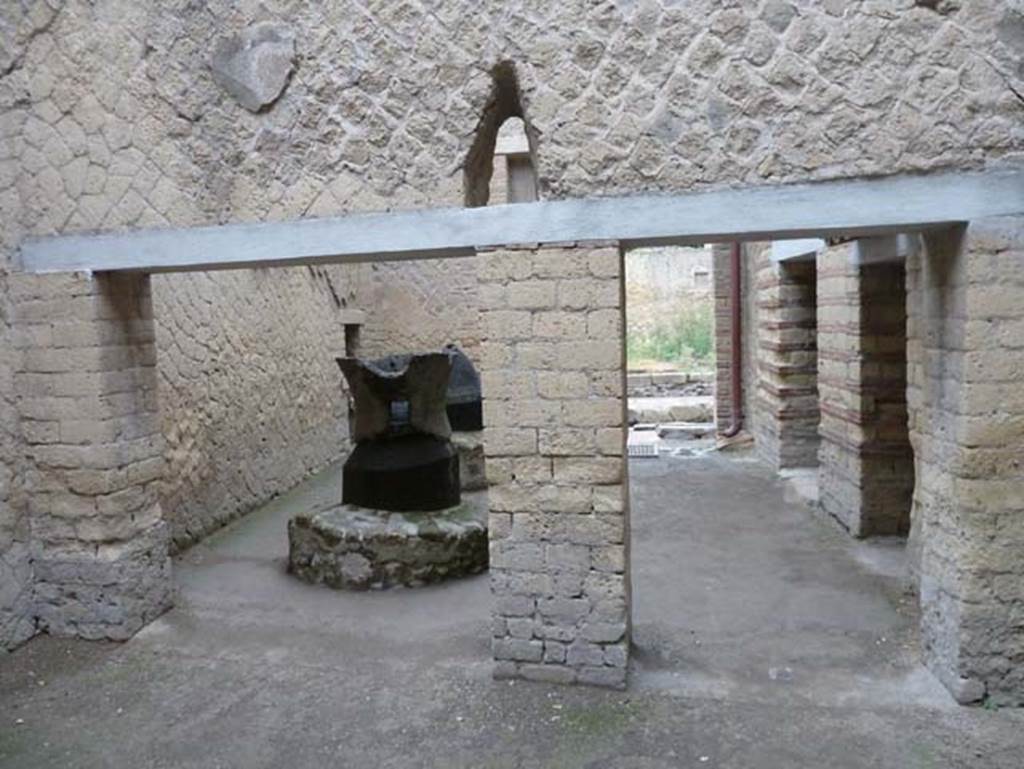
[[765, 639]]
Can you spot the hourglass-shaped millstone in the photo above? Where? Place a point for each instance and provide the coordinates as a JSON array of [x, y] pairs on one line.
[[403, 460]]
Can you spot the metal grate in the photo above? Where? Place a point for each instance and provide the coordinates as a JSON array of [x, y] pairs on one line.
[[642, 443]]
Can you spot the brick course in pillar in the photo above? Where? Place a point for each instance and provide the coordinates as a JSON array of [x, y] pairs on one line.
[[86, 392], [786, 393], [865, 468], [552, 372], [966, 406]]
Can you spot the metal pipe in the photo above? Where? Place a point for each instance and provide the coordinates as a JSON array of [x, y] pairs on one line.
[[736, 330]]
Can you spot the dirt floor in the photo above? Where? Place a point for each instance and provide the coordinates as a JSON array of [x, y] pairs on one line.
[[765, 638]]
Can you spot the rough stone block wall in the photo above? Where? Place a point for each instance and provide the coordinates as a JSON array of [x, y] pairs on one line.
[[553, 375], [865, 462], [251, 400], [87, 397], [966, 404], [785, 391], [420, 306]]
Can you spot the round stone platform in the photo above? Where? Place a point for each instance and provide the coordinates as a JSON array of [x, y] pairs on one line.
[[352, 548]]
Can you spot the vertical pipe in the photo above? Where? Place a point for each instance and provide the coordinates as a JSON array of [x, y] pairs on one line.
[[736, 329]]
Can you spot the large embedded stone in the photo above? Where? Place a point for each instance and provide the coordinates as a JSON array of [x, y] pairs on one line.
[[351, 548], [255, 65]]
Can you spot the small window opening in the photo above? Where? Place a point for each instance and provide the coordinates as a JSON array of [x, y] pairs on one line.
[[500, 166], [514, 179]]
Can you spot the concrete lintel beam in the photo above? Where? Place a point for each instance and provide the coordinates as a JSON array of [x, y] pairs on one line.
[[848, 208], [884, 249], [801, 250]]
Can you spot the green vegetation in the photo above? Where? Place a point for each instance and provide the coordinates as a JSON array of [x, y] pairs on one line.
[[686, 339]]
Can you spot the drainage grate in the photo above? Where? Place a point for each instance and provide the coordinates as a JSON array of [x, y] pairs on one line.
[[642, 444], [642, 450]]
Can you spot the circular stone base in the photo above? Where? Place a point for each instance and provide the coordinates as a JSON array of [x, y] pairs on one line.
[[353, 548], [472, 472]]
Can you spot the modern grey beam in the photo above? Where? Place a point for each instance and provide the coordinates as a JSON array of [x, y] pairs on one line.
[[848, 207], [800, 250], [883, 249]]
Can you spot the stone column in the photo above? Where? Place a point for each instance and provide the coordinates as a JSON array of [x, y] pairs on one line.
[[865, 463], [786, 394], [553, 381], [966, 403], [88, 405]]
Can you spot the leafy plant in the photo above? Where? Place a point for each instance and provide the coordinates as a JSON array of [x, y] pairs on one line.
[[686, 339]]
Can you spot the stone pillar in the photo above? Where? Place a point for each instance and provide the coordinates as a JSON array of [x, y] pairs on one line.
[[553, 380], [865, 463], [966, 403], [88, 406], [786, 399]]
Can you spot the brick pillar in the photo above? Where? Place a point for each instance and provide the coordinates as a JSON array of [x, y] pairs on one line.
[[553, 378], [721, 271], [966, 403], [87, 400], [865, 463], [786, 425]]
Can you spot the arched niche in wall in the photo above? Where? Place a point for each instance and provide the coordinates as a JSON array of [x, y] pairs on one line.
[[500, 166]]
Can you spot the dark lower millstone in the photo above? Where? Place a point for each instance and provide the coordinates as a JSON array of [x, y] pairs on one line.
[[352, 548], [404, 474]]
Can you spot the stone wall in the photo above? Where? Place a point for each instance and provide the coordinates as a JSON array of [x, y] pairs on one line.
[[251, 400], [553, 376], [965, 363], [865, 467], [420, 306]]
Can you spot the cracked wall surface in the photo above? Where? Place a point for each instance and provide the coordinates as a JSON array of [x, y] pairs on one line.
[[111, 119]]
